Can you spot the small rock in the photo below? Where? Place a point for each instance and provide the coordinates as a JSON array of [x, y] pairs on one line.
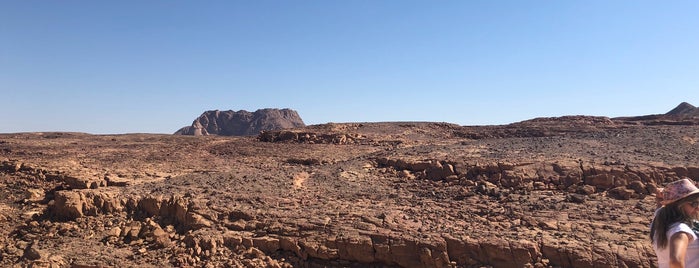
[[33, 195], [134, 230], [576, 198], [32, 253], [587, 189], [161, 238], [538, 185], [114, 232]]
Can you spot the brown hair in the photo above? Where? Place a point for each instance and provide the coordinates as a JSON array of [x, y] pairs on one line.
[[666, 216]]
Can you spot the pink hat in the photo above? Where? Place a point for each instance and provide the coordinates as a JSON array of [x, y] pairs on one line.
[[677, 190]]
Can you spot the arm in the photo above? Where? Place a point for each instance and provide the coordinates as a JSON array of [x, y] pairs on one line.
[[678, 249]]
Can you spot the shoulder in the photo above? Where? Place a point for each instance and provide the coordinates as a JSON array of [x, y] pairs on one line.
[[681, 228]]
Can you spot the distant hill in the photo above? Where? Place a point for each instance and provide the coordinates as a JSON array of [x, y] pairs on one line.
[[683, 114], [684, 109], [242, 123]]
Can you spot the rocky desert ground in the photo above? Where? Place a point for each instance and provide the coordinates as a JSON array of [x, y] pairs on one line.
[[550, 192]]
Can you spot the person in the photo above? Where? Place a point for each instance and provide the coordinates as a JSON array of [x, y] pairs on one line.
[[674, 230]]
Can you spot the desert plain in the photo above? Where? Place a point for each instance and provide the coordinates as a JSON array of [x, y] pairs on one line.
[[575, 191]]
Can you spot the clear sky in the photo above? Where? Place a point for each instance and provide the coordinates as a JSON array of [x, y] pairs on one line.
[[108, 67]]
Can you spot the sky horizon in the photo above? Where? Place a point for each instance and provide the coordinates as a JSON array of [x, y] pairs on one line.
[[155, 66]]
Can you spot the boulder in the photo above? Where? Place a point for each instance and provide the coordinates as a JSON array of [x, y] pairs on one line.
[[68, 205]]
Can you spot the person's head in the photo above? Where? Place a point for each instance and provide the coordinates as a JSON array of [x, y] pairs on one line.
[[680, 201]]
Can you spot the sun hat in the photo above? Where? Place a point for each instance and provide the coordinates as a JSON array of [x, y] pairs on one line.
[[677, 190]]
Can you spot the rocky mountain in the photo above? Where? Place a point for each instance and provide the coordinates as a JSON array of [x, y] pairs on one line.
[[242, 123], [683, 114], [684, 109]]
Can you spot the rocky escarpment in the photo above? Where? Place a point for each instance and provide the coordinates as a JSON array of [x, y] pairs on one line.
[[204, 230], [242, 123]]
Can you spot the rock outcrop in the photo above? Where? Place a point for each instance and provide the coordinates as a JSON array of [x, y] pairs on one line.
[[242, 123]]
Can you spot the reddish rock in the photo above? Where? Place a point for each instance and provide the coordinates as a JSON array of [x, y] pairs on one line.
[[68, 205]]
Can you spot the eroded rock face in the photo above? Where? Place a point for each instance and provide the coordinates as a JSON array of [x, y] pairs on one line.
[[242, 123]]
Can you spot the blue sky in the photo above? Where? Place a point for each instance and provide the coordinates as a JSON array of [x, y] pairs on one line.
[[109, 67]]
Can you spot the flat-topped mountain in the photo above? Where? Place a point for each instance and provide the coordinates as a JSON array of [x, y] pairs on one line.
[[242, 123]]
